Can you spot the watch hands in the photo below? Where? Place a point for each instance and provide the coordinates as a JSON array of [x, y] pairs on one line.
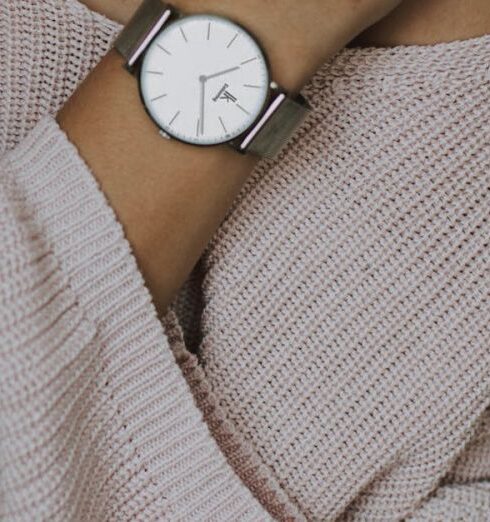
[[221, 72], [202, 81]]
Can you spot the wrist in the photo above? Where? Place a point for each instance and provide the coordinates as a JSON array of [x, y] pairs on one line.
[[296, 38], [169, 198], [296, 41]]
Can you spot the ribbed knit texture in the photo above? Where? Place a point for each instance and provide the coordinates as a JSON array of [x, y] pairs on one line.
[[345, 329], [328, 358]]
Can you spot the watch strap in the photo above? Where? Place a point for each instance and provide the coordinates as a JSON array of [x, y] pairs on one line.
[[144, 25], [274, 128]]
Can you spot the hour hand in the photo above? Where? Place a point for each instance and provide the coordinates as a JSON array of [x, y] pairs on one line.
[[231, 69]]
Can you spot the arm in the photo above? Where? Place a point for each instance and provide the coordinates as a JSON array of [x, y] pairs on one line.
[[171, 197], [87, 375]]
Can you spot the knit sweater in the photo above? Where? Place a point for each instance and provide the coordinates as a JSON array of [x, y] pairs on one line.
[[329, 356]]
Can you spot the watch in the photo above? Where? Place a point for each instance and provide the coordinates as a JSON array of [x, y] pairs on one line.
[[205, 80]]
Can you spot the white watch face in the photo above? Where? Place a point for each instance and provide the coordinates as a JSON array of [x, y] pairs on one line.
[[204, 79]]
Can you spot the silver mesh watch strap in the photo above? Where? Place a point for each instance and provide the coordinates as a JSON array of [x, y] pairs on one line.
[[272, 131], [145, 24], [274, 127]]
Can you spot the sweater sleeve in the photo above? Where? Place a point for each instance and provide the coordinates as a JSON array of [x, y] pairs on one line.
[[96, 419], [47, 47], [455, 502]]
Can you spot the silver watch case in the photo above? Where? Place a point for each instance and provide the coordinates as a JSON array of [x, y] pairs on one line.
[[279, 117]]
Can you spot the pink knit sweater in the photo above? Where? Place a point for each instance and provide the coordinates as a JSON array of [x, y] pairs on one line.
[[329, 356]]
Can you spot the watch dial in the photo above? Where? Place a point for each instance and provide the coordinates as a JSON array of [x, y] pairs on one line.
[[204, 79]]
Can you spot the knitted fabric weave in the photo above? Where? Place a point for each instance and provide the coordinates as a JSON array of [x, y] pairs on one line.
[[346, 317], [329, 357]]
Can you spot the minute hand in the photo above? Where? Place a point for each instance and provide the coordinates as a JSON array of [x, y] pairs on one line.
[[222, 72]]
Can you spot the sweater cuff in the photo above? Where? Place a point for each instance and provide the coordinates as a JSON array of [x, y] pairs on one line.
[[455, 502], [154, 421]]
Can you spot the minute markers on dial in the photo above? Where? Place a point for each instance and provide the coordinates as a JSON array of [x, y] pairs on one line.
[[159, 97], [174, 118], [242, 108], [249, 60], [223, 124], [184, 36], [232, 40], [164, 50]]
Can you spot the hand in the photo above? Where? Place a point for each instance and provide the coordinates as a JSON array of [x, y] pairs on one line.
[[209, 76], [202, 81]]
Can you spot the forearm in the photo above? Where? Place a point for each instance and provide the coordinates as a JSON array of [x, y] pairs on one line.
[[171, 197]]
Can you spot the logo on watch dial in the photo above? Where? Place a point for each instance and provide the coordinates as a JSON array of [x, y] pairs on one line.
[[225, 94]]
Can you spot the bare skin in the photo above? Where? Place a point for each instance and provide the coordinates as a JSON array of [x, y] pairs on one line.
[[414, 22], [171, 197]]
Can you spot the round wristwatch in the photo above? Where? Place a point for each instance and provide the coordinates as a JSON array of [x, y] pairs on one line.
[[205, 80]]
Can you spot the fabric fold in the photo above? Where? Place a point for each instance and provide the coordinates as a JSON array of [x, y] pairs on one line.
[[104, 413]]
